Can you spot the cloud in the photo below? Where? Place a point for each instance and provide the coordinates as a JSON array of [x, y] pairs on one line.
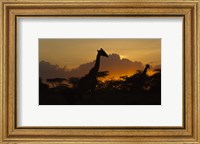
[[47, 70], [118, 67], [156, 67], [114, 64]]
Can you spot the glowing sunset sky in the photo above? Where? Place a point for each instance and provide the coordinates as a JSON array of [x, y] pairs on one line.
[[71, 53]]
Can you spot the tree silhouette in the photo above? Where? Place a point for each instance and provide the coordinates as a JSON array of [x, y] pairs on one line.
[[155, 81], [74, 81], [56, 81], [138, 81], [102, 74]]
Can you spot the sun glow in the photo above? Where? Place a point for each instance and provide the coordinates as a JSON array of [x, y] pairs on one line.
[[123, 56], [119, 76]]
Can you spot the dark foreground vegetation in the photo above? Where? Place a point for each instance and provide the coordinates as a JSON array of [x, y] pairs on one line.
[[137, 89]]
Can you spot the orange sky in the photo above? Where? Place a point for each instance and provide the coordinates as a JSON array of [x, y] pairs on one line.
[[71, 53]]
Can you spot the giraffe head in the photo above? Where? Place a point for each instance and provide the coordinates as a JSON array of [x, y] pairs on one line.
[[101, 52], [147, 66]]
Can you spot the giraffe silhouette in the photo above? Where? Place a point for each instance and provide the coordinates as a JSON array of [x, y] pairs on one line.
[[139, 80], [87, 84], [145, 70]]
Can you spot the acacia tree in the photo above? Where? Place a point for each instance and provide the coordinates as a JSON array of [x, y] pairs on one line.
[[74, 81], [54, 82]]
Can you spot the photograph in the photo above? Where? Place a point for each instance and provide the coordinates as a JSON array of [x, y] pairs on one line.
[[99, 71], [86, 72]]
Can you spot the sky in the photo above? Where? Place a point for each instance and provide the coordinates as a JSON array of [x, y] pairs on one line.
[[75, 57]]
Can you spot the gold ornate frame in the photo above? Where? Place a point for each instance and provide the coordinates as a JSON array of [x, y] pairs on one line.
[[13, 9]]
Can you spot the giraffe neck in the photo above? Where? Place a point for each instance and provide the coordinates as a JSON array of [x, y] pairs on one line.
[[97, 63], [145, 71], [95, 69]]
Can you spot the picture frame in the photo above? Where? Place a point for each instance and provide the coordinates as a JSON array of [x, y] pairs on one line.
[[12, 9]]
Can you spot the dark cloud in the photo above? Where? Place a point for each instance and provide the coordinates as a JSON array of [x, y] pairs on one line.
[[156, 67], [118, 67], [47, 70], [114, 64]]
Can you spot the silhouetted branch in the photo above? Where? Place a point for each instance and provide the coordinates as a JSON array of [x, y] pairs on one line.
[[56, 81], [102, 74]]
